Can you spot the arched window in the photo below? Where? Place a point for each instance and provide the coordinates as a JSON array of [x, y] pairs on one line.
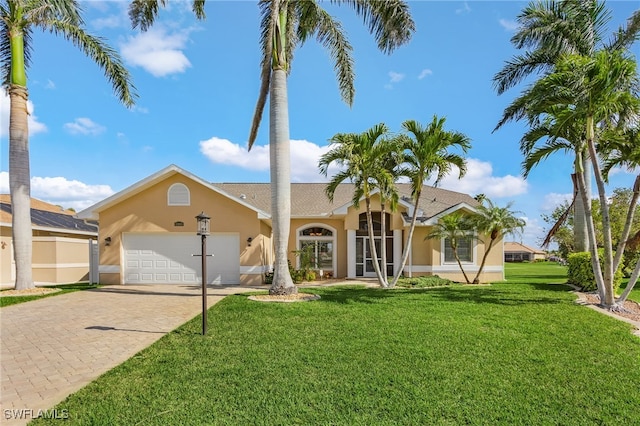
[[320, 241], [178, 195]]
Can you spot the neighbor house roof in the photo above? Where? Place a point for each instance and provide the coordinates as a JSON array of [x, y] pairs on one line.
[[47, 217], [512, 246]]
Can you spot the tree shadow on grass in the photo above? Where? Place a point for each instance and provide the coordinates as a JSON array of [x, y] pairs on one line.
[[465, 294]]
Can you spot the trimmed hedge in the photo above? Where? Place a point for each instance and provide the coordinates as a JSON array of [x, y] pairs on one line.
[[580, 271]]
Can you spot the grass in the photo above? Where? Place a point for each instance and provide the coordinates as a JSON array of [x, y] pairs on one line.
[[521, 352], [64, 288]]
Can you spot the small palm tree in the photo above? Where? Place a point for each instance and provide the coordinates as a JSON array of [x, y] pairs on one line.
[[496, 222], [452, 228], [360, 155], [18, 19], [426, 151], [285, 25]]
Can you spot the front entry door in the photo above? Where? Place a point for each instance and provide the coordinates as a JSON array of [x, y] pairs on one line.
[[364, 256]]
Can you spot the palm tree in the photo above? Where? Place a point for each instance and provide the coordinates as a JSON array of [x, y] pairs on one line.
[[496, 222], [453, 227], [285, 25], [554, 28], [143, 13], [360, 156], [592, 90], [18, 18], [426, 151]]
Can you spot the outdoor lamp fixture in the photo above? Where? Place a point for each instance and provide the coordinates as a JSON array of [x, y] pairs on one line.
[[203, 231], [203, 224], [107, 241], [249, 241]]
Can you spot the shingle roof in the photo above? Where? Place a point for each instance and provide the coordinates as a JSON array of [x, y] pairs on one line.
[[510, 246], [310, 199], [47, 216]]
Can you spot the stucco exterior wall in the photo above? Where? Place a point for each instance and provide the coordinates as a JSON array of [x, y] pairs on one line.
[[55, 260], [148, 212]]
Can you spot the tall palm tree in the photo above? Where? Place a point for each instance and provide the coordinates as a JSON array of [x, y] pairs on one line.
[[18, 18], [496, 222], [453, 227], [593, 90], [549, 29], [426, 151], [285, 25], [359, 156]]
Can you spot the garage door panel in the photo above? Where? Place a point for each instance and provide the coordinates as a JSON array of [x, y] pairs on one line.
[[167, 259]]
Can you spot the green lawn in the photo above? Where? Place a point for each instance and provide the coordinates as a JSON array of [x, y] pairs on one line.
[[64, 288], [515, 353]]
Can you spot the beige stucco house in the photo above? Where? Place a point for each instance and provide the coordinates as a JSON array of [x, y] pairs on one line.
[[148, 232], [518, 252], [61, 244]]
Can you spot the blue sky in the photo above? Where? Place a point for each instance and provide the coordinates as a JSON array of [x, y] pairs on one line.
[[198, 83]]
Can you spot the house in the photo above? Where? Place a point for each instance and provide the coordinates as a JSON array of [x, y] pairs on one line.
[[518, 252], [148, 232], [61, 244]]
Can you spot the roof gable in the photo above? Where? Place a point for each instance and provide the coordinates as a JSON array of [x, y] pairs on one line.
[[138, 187]]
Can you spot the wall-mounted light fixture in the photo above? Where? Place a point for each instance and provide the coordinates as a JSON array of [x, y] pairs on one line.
[[107, 241], [249, 241]]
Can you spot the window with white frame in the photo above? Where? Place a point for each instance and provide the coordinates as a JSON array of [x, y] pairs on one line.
[[178, 195], [320, 241], [464, 249]]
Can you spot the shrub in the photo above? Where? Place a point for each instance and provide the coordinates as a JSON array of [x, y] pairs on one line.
[[580, 271], [422, 282]]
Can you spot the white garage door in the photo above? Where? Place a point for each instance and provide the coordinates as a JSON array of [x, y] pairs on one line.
[[167, 259]]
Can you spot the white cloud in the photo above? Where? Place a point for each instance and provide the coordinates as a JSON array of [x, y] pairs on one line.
[[464, 9], [61, 191], [553, 200], [424, 73], [50, 85], [480, 180], [34, 125], [304, 157], [84, 126], [157, 51], [395, 76], [508, 24]]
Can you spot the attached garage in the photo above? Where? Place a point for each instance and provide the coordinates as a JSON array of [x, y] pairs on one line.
[[169, 258]]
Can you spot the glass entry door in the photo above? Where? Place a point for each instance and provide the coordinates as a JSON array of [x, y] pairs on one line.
[[364, 256]]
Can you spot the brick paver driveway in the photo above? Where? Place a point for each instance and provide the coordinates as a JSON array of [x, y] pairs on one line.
[[52, 347]]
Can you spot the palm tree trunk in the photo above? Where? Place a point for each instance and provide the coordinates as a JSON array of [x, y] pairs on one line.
[[593, 248], [407, 247], [580, 233], [279, 151], [609, 296], [476, 280], [383, 242], [632, 282], [20, 186], [455, 254], [372, 244]]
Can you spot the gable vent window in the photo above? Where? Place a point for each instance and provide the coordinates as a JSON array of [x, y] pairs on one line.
[[178, 195]]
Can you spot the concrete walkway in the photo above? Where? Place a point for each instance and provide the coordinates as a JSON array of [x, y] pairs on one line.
[[54, 346]]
